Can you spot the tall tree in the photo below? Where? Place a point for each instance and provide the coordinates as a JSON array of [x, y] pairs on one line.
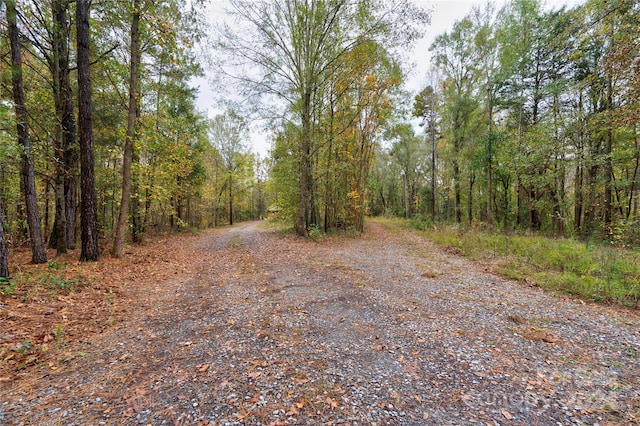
[[64, 106], [66, 155], [458, 59], [38, 254], [88, 209], [134, 64], [425, 107]]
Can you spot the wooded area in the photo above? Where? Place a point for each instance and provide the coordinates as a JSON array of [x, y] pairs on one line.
[[529, 119]]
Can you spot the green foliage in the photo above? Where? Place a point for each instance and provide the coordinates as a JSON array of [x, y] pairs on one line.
[[7, 286], [595, 271], [24, 347]]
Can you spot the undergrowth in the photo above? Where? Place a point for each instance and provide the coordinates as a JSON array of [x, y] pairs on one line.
[[595, 271], [48, 282]]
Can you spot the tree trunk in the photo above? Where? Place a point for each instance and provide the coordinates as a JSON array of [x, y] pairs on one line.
[[456, 189], [230, 200], [4, 262], [472, 181], [88, 205], [60, 223], [121, 226], [434, 183], [634, 180], [490, 155], [38, 254], [305, 169], [64, 108], [608, 164]]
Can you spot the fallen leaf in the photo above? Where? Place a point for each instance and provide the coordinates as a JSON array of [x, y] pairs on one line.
[[203, 368], [507, 415], [292, 412], [333, 404]]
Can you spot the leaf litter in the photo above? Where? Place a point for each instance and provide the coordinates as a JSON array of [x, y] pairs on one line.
[[246, 325]]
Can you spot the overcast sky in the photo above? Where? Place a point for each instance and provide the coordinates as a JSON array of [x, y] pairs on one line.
[[445, 14]]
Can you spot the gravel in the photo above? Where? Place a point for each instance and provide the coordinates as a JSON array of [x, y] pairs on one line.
[[381, 329]]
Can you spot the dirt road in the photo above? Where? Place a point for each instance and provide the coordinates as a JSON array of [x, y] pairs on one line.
[[379, 329]]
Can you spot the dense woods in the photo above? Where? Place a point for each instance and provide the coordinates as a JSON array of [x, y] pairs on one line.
[[529, 122], [528, 119]]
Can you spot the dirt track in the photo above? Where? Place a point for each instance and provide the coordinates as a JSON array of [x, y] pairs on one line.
[[380, 329]]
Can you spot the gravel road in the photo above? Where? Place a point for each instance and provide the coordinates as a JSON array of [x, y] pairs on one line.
[[380, 329]]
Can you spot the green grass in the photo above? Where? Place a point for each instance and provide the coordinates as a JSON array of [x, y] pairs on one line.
[[599, 272]]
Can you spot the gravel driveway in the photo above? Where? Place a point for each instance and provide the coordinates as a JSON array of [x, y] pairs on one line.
[[381, 329]]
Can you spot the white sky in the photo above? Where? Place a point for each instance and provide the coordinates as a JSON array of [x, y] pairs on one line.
[[445, 14]]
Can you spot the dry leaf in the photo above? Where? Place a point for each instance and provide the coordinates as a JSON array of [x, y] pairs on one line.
[[333, 404], [507, 415], [292, 412]]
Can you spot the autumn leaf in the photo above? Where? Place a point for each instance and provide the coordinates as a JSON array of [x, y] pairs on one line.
[[507, 415], [292, 412], [332, 404]]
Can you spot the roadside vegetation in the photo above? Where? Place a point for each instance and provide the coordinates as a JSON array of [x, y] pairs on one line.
[[593, 270]]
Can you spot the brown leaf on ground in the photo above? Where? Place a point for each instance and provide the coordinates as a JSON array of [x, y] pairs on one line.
[[249, 325]]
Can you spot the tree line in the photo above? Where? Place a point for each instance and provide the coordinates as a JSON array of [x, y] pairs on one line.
[[529, 121]]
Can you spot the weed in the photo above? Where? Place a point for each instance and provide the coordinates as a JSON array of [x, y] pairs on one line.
[[56, 266], [58, 284], [58, 335], [24, 346], [597, 271], [7, 286], [315, 233], [110, 297]]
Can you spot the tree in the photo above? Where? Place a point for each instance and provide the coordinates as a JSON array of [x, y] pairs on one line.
[[458, 60], [228, 134], [425, 107], [298, 45], [4, 263], [88, 209], [38, 254], [66, 117], [134, 63], [408, 150]]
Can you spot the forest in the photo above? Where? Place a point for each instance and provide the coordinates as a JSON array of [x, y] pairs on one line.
[[527, 120]]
